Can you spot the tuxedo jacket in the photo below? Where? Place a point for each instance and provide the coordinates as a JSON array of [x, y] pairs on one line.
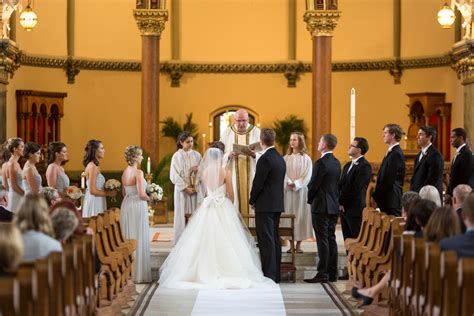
[[389, 186], [353, 187], [461, 170], [428, 171], [323, 189], [462, 244], [268, 184]]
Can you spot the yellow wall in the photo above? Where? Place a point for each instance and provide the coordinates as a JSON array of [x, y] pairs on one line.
[[106, 105]]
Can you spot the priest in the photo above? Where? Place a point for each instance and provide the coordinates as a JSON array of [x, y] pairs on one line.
[[242, 165]]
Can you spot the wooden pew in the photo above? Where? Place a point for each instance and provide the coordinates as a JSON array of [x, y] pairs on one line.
[[466, 286], [68, 278], [407, 266], [396, 275], [89, 272], [9, 296], [42, 287], [26, 276], [56, 281], [433, 285], [449, 282], [419, 276]]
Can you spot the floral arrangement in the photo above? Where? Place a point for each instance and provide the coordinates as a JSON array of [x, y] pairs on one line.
[[155, 192], [113, 185], [73, 192]]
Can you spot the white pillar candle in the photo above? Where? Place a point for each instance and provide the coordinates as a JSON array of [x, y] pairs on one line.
[[83, 180], [353, 113], [148, 165]]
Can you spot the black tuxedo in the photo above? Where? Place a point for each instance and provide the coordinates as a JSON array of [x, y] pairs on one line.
[[353, 188], [5, 215], [428, 171], [323, 195], [461, 221], [462, 244], [462, 170], [267, 197], [389, 186]]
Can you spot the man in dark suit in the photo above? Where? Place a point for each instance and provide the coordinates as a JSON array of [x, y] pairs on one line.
[[323, 195], [353, 187], [5, 215], [389, 187], [462, 170], [463, 244], [429, 163], [460, 193], [266, 198]]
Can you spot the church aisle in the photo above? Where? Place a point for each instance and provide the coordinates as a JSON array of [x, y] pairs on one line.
[[290, 299]]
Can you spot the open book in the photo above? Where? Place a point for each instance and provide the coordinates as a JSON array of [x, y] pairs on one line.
[[244, 149]]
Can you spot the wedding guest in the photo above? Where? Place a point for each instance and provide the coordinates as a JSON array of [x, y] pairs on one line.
[[51, 195], [4, 157], [459, 195], [11, 248], [184, 163], [389, 187], [6, 216], [32, 218], [31, 176], [353, 185], [134, 212], [443, 223], [64, 223], [81, 229], [298, 173], [14, 173], [95, 197], [55, 175], [423, 210], [431, 193]]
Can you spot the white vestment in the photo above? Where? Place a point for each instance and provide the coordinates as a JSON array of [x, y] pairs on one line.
[[180, 172], [242, 167], [298, 172]]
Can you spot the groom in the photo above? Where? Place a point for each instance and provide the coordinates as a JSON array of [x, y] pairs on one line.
[[266, 198]]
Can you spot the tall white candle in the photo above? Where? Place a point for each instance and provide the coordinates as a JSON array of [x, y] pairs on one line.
[[148, 165], [83, 180], [353, 113]]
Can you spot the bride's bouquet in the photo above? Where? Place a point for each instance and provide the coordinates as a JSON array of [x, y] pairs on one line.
[[155, 192], [113, 185], [73, 192]]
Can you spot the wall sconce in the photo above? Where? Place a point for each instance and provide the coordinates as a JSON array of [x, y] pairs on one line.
[[28, 19], [446, 16]]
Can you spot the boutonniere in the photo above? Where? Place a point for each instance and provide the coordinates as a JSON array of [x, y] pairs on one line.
[[356, 163]]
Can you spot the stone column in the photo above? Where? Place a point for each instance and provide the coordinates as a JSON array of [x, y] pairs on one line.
[[463, 56], [151, 23], [9, 62], [321, 24]]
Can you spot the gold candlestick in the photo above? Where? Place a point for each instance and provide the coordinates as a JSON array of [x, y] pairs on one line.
[[148, 177]]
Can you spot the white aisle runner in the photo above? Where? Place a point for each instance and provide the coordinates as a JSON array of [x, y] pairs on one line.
[[264, 301]]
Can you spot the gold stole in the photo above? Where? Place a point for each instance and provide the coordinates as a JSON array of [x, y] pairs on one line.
[[242, 172]]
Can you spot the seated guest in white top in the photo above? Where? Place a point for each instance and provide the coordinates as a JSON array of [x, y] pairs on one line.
[[11, 248], [5, 214], [35, 225]]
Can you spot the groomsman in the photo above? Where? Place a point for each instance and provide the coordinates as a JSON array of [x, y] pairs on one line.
[[462, 165], [353, 188], [323, 194], [389, 187], [429, 163]]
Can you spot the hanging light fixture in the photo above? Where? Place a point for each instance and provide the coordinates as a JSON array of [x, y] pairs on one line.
[[446, 16], [28, 18]]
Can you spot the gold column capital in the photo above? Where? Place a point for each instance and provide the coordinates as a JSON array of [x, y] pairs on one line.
[[9, 59], [463, 60], [151, 21], [321, 22]]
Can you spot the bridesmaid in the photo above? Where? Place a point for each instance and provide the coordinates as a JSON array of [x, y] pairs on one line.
[[4, 157], [55, 175], [134, 212], [298, 173], [31, 176], [13, 173], [94, 199], [185, 160]]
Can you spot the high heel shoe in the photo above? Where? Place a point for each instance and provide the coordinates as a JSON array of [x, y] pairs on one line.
[[366, 300]]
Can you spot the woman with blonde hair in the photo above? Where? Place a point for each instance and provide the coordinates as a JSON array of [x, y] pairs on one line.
[[134, 212], [443, 223], [14, 172], [298, 173], [11, 248], [32, 218]]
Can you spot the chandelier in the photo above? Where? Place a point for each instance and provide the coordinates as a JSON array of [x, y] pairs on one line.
[[446, 16], [28, 18]]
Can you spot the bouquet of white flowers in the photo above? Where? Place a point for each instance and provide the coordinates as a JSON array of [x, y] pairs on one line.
[[73, 192], [155, 192], [113, 185]]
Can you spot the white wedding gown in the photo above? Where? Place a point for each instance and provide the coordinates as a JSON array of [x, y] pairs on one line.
[[215, 251]]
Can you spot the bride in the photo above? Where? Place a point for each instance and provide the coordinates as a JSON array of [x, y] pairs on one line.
[[215, 251]]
